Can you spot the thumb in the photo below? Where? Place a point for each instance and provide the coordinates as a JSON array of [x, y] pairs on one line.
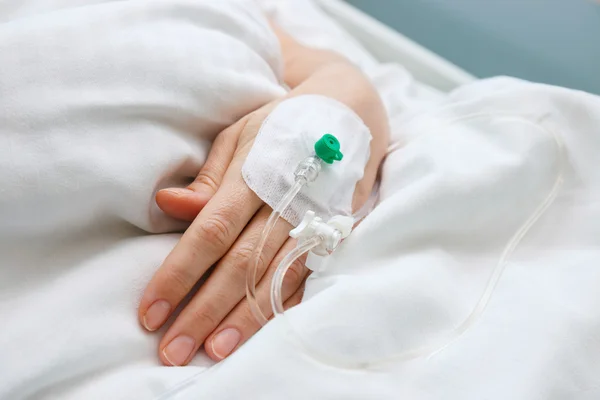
[[186, 203]]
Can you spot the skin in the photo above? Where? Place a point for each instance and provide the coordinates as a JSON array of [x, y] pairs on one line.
[[228, 219]]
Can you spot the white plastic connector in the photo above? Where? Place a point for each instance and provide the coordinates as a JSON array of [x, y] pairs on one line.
[[331, 232], [343, 224]]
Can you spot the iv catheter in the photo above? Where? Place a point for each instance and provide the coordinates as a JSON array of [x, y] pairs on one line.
[[327, 150], [314, 234]]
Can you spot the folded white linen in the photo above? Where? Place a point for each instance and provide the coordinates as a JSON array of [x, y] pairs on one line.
[[103, 104], [100, 106], [472, 171]]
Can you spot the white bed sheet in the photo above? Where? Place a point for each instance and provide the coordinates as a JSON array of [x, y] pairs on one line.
[[471, 172], [472, 167]]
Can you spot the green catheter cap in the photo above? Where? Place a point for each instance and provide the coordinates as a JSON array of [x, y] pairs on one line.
[[328, 149]]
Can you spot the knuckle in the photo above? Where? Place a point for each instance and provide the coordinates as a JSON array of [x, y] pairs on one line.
[[205, 316], [243, 258], [215, 230], [242, 253], [270, 248], [249, 323], [206, 178], [179, 280], [294, 277], [246, 320]]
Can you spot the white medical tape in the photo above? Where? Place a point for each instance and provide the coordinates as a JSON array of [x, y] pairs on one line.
[[287, 137]]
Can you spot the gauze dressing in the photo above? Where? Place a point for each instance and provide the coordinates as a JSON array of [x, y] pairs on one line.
[[288, 136]]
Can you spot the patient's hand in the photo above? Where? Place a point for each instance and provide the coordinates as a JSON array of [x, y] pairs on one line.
[[228, 218]]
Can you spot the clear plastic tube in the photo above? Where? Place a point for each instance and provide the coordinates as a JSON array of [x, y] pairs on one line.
[[307, 171], [307, 246], [277, 282], [482, 303], [252, 272]]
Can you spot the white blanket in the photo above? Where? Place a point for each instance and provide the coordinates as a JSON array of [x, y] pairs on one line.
[[101, 105]]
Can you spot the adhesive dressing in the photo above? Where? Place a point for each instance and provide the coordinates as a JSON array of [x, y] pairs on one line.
[[288, 136]]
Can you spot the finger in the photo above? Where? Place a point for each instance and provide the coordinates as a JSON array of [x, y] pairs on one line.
[[186, 203], [294, 299], [240, 324], [222, 291], [229, 338], [206, 240]]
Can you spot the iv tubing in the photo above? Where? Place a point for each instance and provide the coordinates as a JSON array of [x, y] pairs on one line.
[[277, 282], [251, 275], [305, 247], [431, 349]]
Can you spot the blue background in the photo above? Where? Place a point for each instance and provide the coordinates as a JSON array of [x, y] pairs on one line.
[[551, 41]]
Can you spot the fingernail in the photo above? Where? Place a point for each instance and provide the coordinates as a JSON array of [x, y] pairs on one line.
[[179, 350], [178, 191], [225, 341], [156, 315]]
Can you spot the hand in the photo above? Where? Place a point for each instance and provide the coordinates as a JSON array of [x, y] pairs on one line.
[[228, 219]]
